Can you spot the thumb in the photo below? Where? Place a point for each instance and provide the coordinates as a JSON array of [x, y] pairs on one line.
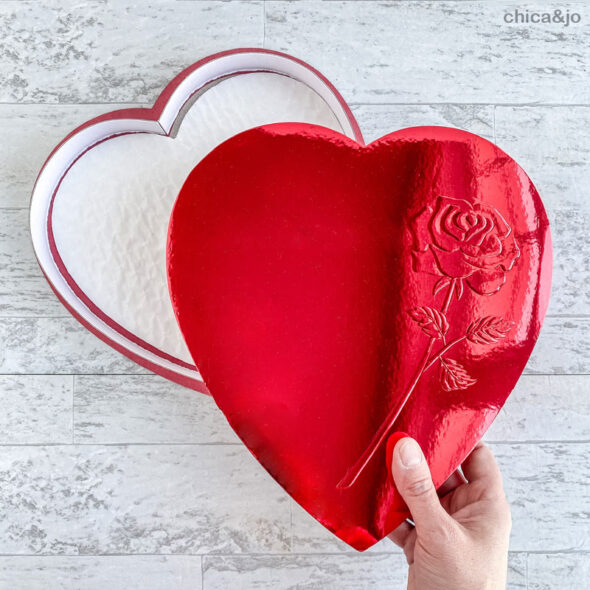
[[414, 482]]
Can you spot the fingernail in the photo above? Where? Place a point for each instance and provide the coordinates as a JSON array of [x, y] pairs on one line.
[[410, 453]]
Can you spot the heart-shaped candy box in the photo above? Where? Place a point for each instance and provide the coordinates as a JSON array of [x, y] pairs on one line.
[[330, 293]]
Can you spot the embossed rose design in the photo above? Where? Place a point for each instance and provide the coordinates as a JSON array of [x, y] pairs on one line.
[[460, 242], [456, 239]]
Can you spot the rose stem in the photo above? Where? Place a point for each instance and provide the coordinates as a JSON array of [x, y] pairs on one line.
[[442, 351], [353, 473]]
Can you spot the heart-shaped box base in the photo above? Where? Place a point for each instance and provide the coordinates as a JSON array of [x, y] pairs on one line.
[[102, 202], [332, 293]]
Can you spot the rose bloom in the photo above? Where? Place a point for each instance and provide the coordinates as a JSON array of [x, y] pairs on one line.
[[462, 240]]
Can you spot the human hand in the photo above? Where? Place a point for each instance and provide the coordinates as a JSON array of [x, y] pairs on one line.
[[460, 541]]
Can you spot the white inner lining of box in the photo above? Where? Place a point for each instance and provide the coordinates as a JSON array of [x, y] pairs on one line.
[[110, 216]]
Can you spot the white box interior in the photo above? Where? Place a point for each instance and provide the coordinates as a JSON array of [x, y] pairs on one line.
[[110, 215]]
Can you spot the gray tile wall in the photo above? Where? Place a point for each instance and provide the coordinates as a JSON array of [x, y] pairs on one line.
[[112, 478]]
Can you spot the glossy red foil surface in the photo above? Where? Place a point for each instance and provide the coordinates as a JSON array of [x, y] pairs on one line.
[[332, 294]]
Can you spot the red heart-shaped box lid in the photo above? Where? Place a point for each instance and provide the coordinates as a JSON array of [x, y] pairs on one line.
[[332, 293]]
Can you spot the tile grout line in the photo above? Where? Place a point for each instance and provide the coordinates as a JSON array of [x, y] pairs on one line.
[[363, 103], [123, 444], [394, 552], [544, 105], [494, 124], [528, 443], [291, 525], [73, 410], [263, 24]]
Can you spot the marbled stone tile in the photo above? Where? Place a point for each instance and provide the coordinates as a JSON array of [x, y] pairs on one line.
[[570, 292], [173, 572], [23, 289], [309, 536], [180, 499], [318, 572], [378, 120], [36, 409], [548, 143], [145, 409], [517, 572], [29, 133], [548, 487], [558, 570], [57, 345], [423, 52], [562, 347], [545, 408], [312, 572], [124, 51]]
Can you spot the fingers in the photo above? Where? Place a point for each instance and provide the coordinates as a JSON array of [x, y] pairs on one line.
[[481, 466], [404, 536], [454, 480], [400, 535], [413, 481]]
